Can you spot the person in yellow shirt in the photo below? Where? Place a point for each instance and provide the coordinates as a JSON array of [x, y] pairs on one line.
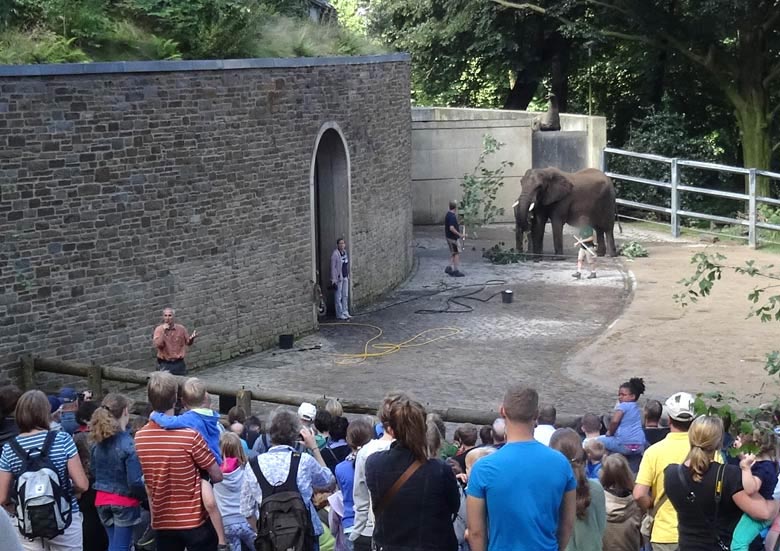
[[649, 487]]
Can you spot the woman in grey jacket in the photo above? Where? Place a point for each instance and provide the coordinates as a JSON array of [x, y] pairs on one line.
[[339, 278]]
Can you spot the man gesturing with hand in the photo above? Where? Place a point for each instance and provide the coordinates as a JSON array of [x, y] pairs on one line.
[[171, 341]]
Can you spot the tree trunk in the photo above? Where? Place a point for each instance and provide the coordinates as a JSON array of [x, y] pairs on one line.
[[753, 121], [524, 89]]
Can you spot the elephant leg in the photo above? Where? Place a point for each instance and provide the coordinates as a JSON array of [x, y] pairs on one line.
[[601, 248], [611, 243], [537, 237], [557, 229]]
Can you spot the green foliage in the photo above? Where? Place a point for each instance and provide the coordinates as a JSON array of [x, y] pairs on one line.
[[102, 30], [352, 14], [38, 46], [497, 254], [632, 249], [477, 205]]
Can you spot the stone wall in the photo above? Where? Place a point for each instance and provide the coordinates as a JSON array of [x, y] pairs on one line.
[[126, 187], [447, 142]]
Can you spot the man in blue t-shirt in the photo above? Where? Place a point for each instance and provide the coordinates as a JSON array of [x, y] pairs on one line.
[[453, 234], [521, 498]]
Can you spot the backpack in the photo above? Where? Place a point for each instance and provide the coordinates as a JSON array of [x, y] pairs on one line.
[[284, 523], [43, 508]]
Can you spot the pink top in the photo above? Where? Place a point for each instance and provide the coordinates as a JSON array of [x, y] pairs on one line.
[[107, 498], [229, 465], [171, 343]]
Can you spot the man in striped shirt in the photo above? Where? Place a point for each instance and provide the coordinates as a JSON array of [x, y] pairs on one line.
[[172, 461]]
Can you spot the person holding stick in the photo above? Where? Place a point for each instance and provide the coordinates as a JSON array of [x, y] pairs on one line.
[[586, 241]]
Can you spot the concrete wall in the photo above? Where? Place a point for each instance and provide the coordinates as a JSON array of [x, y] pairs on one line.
[[447, 143], [126, 187]]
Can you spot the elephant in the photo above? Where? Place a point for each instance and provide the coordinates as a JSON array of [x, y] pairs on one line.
[[563, 197]]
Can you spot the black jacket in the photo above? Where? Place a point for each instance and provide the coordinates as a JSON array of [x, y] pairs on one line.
[[8, 430], [419, 517]]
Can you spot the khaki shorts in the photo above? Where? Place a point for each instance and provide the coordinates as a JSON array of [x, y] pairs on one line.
[[582, 254], [454, 245], [665, 546]]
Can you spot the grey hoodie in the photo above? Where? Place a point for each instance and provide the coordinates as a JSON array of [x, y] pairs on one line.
[[228, 495]]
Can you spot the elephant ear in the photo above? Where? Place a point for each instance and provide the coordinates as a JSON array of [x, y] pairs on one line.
[[556, 186]]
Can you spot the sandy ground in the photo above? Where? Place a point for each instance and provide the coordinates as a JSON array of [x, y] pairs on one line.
[[702, 347]]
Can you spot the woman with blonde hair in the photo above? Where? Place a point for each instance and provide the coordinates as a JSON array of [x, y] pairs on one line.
[[591, 509], [404, 479], [119, 481], [710, 497], [623, 514], [228, 492]]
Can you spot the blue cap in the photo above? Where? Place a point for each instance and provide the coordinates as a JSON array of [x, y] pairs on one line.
[[55, 403], [68, 395], [379, 430]]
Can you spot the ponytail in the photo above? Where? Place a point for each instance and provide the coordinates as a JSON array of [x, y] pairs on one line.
[[569, 444], [705, 436], [105, 421]]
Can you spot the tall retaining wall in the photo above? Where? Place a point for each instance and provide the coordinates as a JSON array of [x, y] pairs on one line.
[[127, 187], [447, 143]]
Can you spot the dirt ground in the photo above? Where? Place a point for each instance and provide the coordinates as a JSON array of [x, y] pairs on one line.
[[705, 346], [573, 340]]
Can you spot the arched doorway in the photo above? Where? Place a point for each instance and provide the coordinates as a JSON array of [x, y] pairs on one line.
[[330, 183]]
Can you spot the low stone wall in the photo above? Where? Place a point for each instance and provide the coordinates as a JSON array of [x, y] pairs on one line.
[[127, 187], [447, 143]]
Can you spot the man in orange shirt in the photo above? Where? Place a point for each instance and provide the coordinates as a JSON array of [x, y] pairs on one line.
[[171, 340], [171, 461]]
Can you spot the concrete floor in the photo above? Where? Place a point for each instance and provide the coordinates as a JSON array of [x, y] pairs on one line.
[[527, 341]]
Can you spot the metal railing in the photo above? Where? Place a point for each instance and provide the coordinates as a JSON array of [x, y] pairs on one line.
[[675, 187]]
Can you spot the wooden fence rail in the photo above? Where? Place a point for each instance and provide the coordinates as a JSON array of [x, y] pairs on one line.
[[96, 374]]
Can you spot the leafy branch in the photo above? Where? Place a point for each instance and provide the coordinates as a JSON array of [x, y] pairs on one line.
[[480, 187]]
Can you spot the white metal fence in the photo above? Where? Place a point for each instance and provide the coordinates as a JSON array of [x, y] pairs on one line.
[[675, 187]]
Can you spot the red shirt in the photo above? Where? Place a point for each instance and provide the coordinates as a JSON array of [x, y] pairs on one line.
[[171, 461], [171, 344]]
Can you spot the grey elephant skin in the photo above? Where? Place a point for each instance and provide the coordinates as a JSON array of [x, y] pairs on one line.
[[562, 198]]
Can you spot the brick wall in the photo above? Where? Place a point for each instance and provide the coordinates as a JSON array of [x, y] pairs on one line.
[[135, 186]]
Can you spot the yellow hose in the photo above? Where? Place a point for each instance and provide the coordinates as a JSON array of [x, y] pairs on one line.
[[389, 348]]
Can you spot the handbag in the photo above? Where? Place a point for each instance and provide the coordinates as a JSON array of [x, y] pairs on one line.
[[646, 526], [691, 498]]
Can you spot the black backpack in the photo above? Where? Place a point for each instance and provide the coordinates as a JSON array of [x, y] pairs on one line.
[[285, 522], [42, 500]]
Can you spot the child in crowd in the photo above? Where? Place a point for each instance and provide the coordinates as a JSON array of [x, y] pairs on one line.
[[591, 507], [342, 505], [200, 417], [625, 434], [764, 473], [322, 423], [591, 427], [654, 432], [119, 482], [595, 451], [228, 493], [459, 523], [623, 514], [236, 420]]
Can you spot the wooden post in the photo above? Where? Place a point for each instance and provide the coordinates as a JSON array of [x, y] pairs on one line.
[[95, 381], [244, 400], [28, 372]]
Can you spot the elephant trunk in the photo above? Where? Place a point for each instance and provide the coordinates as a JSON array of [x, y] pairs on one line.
[[522, 218]]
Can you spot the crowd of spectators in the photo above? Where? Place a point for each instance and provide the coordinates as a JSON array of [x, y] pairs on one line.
[[646, 476]]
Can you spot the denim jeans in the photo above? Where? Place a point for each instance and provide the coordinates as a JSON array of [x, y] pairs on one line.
[[342, 298], [119, 523], [238, 533]]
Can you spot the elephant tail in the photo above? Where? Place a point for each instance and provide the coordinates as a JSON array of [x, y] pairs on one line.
[[617, 219]]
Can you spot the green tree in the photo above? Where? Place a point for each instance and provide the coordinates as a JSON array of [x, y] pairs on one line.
[[734, 42]]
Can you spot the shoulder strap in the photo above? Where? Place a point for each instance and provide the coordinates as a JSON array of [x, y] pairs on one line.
[[21, 453], [712, 523], [265, 486], [48, 443], [657, 506], [390, 494], [291, 484]]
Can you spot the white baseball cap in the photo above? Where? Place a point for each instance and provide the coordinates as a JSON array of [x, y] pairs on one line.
[[679, 406], [307, 411]]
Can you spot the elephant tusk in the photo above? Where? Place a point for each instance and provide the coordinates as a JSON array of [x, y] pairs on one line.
[[515, 203], [531, 207]]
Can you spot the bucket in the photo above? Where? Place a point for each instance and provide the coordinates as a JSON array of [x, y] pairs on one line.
[[286, 341], [506, 296]]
